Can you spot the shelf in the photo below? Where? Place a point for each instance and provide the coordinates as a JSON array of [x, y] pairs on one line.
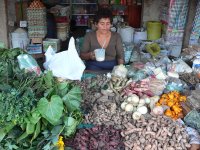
[[120, 14], [81, 25], [84, 3], [79, 3], [83, 14]]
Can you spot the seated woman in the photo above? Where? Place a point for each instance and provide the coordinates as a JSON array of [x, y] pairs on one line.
[[102, 37]]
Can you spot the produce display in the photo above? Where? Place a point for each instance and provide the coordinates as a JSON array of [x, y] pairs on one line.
[[155, 132], [149, 131], [39, 111], [172, 100], [35, 110], [98, 137]]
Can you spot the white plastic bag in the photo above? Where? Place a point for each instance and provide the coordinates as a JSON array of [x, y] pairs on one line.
[[66, 64], [28, 63], [120, 71], [180, 66]]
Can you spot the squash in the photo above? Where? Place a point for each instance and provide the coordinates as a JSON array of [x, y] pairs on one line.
[[162, 100], [172, 100], [182, 98], [169, 113], [170, 103], [176, 109]]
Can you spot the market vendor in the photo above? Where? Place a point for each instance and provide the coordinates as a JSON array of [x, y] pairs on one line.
[[102, 38]]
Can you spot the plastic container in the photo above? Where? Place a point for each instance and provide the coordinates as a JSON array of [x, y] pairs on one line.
[[126, 34], [196, 65], [100, 54], [153, 30], [139, 36], [19, 38]]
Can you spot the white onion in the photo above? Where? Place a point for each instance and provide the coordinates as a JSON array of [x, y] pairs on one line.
[[123, 105], [143, 110], [136, 115], [129, 107]]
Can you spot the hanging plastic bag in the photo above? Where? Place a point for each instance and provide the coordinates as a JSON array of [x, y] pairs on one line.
[[28, 63], [66, 64]]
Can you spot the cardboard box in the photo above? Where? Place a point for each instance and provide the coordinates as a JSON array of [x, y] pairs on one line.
[[34, 48], [55, 43]]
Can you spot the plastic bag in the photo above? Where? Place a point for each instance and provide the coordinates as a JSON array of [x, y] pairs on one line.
[[193, 99], [28, 63], [192, 119], [157, 86], [66, 64], [175, 84], [193, 135], [181, 67], [136, 71], [120, 71]]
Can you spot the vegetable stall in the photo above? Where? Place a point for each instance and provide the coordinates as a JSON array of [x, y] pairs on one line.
[[114, 111]]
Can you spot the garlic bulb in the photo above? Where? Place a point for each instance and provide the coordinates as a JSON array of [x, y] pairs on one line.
[[135, 98], [143, 110], [129, 100], [136, 115], [141, 102], [129, 107], [123, 105]]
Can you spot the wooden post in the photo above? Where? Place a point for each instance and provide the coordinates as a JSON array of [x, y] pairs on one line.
[[190, 18]]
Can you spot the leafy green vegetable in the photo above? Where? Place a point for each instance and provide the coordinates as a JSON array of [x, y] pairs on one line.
[[62, 88], [30, 128], [37, 131], [51, 110], [34, 110], [73, 94], [71, 125], [48, 79], [72, 99]]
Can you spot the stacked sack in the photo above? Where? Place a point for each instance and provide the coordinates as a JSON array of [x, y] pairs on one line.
[[61, 14], [37, 25]]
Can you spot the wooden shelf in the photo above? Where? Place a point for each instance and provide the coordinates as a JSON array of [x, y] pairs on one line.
[[83, 14], [84, 3], [81, 25], [78, 3]]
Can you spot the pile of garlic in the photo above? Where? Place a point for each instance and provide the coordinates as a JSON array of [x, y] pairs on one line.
[[135, 105]]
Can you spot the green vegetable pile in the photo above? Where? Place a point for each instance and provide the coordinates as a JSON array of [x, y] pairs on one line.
[[35, 110]]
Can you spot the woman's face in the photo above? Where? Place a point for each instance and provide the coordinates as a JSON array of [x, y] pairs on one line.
[[104, 25]]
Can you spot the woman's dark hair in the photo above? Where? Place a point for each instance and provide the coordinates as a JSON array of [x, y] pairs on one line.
[[103, 13]]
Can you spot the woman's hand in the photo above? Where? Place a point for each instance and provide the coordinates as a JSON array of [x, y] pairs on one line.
[[120, 61], [92, 56], [88, 56]]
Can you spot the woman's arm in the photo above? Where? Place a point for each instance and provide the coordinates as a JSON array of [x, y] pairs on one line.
[[85, 54], [119, 50]]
